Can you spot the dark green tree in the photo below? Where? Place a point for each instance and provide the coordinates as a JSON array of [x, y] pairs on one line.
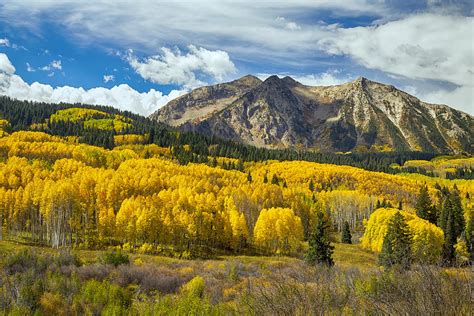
[[396, 247], [265, 178], [469, 235], [249, 177], [346, 237], [451, 221], [320, 249], [311, 185], [424, 207]]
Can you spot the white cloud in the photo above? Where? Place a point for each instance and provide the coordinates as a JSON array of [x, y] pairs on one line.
[[329, 78], [424, 46], [461, 98], [4, 42], [174, 67], [108, 78], [55, 64], [289, 25], [323, 79], [420, 47], [149, 25], [121, 96], [29, 68], [6, 66]]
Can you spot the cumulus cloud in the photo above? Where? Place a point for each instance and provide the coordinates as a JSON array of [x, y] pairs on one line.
[[55, 64], [121, 96], [328, 78], [461, 98], [424, 46], [6, 66], [174, 67], [108, 78]]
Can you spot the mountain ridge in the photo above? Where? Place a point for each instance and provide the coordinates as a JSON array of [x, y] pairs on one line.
[[355, 116]]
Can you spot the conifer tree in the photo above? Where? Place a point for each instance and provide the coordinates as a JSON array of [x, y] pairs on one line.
[[320, 248], [311, 185], [346, 234], [424, 207], [265, 178], [469, 233], [396, 247], [249, 177], [452, 222]]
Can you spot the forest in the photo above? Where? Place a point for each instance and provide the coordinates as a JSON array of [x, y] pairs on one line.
[[106, 212]]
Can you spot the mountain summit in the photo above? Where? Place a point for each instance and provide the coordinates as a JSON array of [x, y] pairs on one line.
[[358, 115]]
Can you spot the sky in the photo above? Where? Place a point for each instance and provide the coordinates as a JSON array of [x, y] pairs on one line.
[[138, 55]]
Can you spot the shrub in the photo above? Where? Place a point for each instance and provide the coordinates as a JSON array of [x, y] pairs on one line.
[[98, 298], [195, 287], [93, 271], [22, 261], [149, 278], [116, 258]]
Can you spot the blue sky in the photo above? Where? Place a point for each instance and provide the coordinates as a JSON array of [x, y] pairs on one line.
[[139, 55]]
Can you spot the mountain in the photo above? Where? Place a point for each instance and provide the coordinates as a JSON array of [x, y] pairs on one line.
[[355, 116]]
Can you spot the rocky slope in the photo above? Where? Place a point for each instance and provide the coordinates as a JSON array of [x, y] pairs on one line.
[[359, 115]]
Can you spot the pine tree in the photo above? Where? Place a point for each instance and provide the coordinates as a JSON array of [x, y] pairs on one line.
[[400, 205], [424, 207], [311, 185], [451, 221], [249, 177], [346, 237], [450, 239], [265, 178], [469, 233], [320, 248], [396, 247]]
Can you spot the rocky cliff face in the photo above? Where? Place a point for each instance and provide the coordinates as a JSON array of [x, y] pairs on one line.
[[359, 115]]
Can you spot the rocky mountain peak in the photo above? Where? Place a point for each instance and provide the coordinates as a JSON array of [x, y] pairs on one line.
[[358, 115]]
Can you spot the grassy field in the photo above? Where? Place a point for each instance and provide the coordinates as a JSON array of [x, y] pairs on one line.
[[345, 256], [45, 281]]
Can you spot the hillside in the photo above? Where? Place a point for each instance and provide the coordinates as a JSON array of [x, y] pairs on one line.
[[96, 230], [283, 113], [108, 127]]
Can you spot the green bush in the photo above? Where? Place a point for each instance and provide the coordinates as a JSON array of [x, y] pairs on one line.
[[102, 298], [194, 288], [115, 258]]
